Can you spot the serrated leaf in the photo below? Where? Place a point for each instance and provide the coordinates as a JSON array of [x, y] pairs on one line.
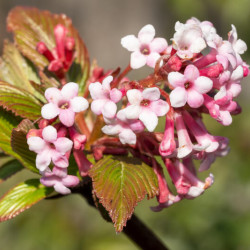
[[120, 183], [18, 71], [7, 122], [31, 26], [20, 146], [19, 101], [22, 197], [9, 168]]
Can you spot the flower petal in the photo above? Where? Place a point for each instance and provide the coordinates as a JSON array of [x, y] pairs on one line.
[[106, 83], [152, 94], [49, 134], [70, 90], [130, 42], [49, 111], [134, 96], [195, 99], [109, 109], [203, 84], [158, 45], [79, 104], [198, 45], [137, 60], [36, 144], [97, 106], [60, 160], [96, 91], [160, 107], [146, 34], [178, 97], [191, 73], [112, 129], [70, 181], [67, 117], [149, 119], [43, 160], [240, 47], [53, 95], [127, 136], [61, 189], [176, 79], [115, 95], [132, 111], [152, 59], [63, 145]]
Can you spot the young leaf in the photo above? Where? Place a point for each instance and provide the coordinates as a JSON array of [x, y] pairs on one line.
[[22, 197], [19, 101], [120, 183], [9, 168], [7, 122], [18, 71], [31, 26], [20, 146]]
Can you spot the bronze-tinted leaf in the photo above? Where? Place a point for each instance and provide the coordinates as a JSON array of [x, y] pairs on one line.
[[19, 101], [22, 197], [18, 71], [120, 183]]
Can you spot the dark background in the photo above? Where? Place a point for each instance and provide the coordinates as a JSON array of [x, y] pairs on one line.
[[219, 219]]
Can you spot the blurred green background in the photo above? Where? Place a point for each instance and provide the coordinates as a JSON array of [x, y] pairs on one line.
[[219, 219]]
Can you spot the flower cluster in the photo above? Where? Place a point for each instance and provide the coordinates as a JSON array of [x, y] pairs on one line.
[[51, 143], [199, 73]]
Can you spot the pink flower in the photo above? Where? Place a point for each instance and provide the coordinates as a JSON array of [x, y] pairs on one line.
[[64, 103], [145, 49], [49, 147], [60, 180], [188, 40], [124, 128], [189, 87], [104, 98], [185, 179], [239, 46], [146, 106]]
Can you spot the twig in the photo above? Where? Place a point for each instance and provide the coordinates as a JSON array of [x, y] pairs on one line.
[[135, 229]]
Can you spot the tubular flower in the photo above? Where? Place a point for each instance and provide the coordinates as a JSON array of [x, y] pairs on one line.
[[145, 49], [49, 147], [64, 103]]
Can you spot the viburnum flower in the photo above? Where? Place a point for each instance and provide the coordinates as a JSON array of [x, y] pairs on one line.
[[60, 182], [145, 49], [49, 147], [188, 87], [188, 40], [104, 98], [146, 106], [123, 127], [64, 103], [238, 45]]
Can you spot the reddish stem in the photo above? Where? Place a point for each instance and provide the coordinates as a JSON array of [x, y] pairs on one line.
[[121, 76]]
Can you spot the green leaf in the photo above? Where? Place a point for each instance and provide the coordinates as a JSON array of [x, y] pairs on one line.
[[22, 197], [20, 146], [31, 26], [18, 71], [120, 183], [9, 168], [7, 122], [19, 101]]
